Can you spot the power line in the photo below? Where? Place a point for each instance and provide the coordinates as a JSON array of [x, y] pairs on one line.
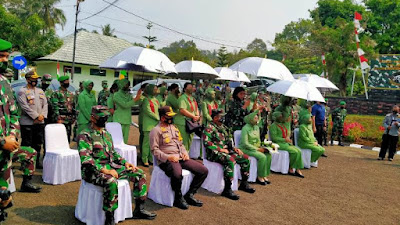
[[170, 29], [102, 10]]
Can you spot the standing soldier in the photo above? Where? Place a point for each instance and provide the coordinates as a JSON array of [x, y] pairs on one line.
[[46, 81], [103, 94], [33, 103], [103, 166], [62, 102], [326, 128], [9, 131], [338, 116]]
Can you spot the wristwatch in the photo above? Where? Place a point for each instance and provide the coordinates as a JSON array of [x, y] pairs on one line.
[[2, 142]]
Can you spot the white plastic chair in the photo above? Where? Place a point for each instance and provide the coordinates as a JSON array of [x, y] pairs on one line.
[[89, 208], [253, 161], [279, 162], [11, 183], [160, 190], [305, 153], [194, 152], [128, 152], [215, 178], [61, 164]]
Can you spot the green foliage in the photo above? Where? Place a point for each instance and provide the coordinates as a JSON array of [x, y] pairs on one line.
[[185, 50], [222, 57], [257, 47], [383, 24], [27, 35], [108, 31], [371, 126]]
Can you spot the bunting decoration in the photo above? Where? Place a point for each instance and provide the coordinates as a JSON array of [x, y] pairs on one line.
[[357, 29], [122, 74]]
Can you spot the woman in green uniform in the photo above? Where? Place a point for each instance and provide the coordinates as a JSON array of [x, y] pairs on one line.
[[123, 107], [306, 139], [86, 101]]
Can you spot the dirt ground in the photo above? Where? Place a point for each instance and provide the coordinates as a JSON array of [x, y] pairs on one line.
[[348, 187]]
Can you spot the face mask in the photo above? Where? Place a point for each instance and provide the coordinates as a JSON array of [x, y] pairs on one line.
[[3, 67], [342, 107], [395, 112], [32, 83], [101, 121], [169, 120], [65, 85]]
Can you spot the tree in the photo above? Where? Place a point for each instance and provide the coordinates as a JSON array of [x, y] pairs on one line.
[[27, 35], [150, 38], [185, 50], [222, 57], [258, 47], [108, 31], [45, 9], [383, 24]]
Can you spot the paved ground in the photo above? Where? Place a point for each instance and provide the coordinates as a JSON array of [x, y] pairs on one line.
[[348, 187]]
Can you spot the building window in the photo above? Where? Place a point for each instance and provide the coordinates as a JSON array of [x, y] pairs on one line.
[[97, 72], [68, 69]]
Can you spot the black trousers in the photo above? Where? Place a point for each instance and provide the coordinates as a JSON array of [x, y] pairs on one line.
[[174, 171], [319, 134], [388, 142], [33, 136]]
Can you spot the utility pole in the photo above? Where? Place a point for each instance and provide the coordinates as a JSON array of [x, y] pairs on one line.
[[75, 32]]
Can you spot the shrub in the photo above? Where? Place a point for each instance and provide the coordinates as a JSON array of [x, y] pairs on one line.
[[353, 131]]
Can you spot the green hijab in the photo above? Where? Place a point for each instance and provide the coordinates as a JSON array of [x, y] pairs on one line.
[[162, 91], [305, 119], [121, 83], [249, 119], [86, 84], [209, 94], [253, 96], [277, 116], [149, 90]]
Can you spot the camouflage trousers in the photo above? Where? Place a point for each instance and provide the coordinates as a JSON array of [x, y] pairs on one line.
[[25, 155], [110, 185], [337, 131], [228, 162]]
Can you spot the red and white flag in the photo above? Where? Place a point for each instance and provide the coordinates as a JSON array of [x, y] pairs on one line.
[[58, 70], [323, 59], [357, 16], [360, 52]]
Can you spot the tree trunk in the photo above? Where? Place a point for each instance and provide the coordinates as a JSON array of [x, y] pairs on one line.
[[343, 83]]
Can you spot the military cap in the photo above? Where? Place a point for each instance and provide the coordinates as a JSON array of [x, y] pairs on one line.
[[342, 103], [63, 78], [166, 111], [31, 74], [103, 82], [216, 112], [46, 79], [5, 45], [100, 111]]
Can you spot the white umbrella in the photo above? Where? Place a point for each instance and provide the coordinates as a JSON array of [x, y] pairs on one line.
[[296, 89], [140, 59], [194, 70], [227, 74], [319, 82], [261, 67]]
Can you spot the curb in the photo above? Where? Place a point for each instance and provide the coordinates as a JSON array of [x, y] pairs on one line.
[[375, 149]]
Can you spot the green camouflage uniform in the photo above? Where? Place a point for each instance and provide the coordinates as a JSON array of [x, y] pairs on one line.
[[217, 138], [96, 151], [63, 106], [235, 116], [103, 94], [338, 117], [9, 125]]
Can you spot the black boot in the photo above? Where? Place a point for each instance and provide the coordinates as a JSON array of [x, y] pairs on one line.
[[27, 185], [189, 197], [340, 142], [227, 192], [38, 164], [140, 212], [180, 202], [244, 185], [109, 218], [331, 141]]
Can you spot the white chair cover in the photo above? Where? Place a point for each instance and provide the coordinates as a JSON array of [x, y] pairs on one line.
[[11, 183], [61, 164], [128, 152], [305, 153], [160, 190], [89, 208], [194, 152], [253, 161], [215, 178], [280, 162]]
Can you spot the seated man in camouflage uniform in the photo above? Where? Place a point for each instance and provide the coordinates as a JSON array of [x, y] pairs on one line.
[[9, 132], [103, 166], [219, 149], [167, 146]]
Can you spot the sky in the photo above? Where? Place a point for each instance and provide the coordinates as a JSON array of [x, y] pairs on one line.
[[230, 22]]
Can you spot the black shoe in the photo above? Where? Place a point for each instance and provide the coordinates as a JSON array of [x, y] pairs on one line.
[[331, 143], [230, 194], [380, 158], [141, 213], [39, 165], [390, 159], [146, 164], [325, 144], [181, 203], [244, 186], [323, 155], [268, 182], [297, 174], [200, 158], [192, 201], [27, 185], [109, 218], [263, 183]]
